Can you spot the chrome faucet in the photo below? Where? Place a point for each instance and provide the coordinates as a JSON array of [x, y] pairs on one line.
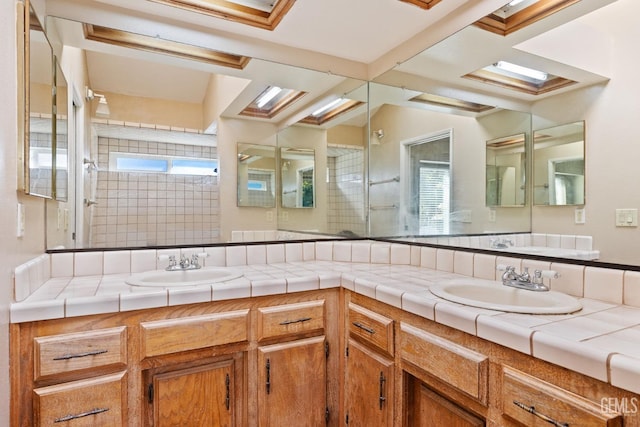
[[501, 243], [524, 280], [185, 262]]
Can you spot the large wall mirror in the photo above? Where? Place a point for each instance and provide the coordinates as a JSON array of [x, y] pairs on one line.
[[469, 110], [558, 165]]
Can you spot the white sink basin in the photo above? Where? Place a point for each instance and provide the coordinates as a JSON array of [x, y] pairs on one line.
[[203, 276], [495, 296]]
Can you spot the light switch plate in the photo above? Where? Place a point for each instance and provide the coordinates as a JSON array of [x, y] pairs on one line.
[[626, 217], [579, 216]]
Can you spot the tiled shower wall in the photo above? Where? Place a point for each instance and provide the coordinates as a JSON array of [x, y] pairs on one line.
[[346, 192], [40, 179], [149, 209]]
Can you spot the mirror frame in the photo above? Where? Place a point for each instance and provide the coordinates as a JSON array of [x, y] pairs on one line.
[[241, 148], [511, 145], [26, 19], [283, 165], [536, 177]]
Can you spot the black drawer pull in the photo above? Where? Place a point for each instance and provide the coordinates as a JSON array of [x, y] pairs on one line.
[[532, 410], [364, 328], [78, 355], [95, 411], [289, 322]]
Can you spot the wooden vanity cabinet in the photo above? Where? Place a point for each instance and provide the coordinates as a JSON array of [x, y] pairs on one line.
[[292, 364], [369, 372], [195, 364]]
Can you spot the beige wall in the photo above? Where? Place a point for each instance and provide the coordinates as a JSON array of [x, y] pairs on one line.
[[151, 111], [230, 133], [13, 251], [307, 219], [347, 135], [611, 112]]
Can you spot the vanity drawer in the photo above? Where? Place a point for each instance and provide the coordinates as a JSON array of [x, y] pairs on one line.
[[534, 402], [65, 353], [191, 333], [371, 328], [291, 319], [458, 366], [99, 401]]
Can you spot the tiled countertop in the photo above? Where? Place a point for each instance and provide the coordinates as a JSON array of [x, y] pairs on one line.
[[602, 340]]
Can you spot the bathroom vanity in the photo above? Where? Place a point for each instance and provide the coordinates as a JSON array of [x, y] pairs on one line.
[[310, 342]]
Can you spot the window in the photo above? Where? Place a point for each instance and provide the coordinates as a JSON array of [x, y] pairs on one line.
[[148, 163], [434, 198]]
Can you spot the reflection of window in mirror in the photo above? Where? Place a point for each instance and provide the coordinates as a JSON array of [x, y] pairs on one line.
[[256, 176], [297, 167]]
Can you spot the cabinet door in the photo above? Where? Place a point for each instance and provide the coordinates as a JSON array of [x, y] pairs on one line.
[[193, 396], [426, 408], [292, 383], [369, 387]]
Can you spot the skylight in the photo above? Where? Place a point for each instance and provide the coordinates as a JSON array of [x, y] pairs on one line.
[[423, 4], [517, 77], [520, 71], [517, 15], [271, 101], [167, 47], [330, 110], [443, 101], [265, 14]]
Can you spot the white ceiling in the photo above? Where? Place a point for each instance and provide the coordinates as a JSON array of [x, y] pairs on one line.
[[356, 38]]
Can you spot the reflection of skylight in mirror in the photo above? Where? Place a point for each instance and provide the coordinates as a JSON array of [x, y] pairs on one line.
[[271, 101]]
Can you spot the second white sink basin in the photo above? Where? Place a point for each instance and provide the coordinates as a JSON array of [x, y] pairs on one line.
[[495, 296], [203, 276]]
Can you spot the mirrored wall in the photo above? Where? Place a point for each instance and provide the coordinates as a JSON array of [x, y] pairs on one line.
[[405, 163]]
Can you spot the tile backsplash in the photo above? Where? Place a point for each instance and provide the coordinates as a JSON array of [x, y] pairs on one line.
[[610, 285]]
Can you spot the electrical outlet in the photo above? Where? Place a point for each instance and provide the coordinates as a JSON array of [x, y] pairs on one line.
[[579, 216], [492, 215]]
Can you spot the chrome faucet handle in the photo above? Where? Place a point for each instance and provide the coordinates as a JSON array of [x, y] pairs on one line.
[[195, 258], [537, 277]]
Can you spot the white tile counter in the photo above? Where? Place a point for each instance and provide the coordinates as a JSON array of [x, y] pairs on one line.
[[602, 340]]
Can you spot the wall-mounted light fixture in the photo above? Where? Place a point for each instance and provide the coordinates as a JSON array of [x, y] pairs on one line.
[[377, 136], [103, 107]]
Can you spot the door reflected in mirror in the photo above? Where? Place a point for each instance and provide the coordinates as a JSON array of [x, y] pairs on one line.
[[61, 171], [256, 175], [506, 171], [558, 164], [297, 168]]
